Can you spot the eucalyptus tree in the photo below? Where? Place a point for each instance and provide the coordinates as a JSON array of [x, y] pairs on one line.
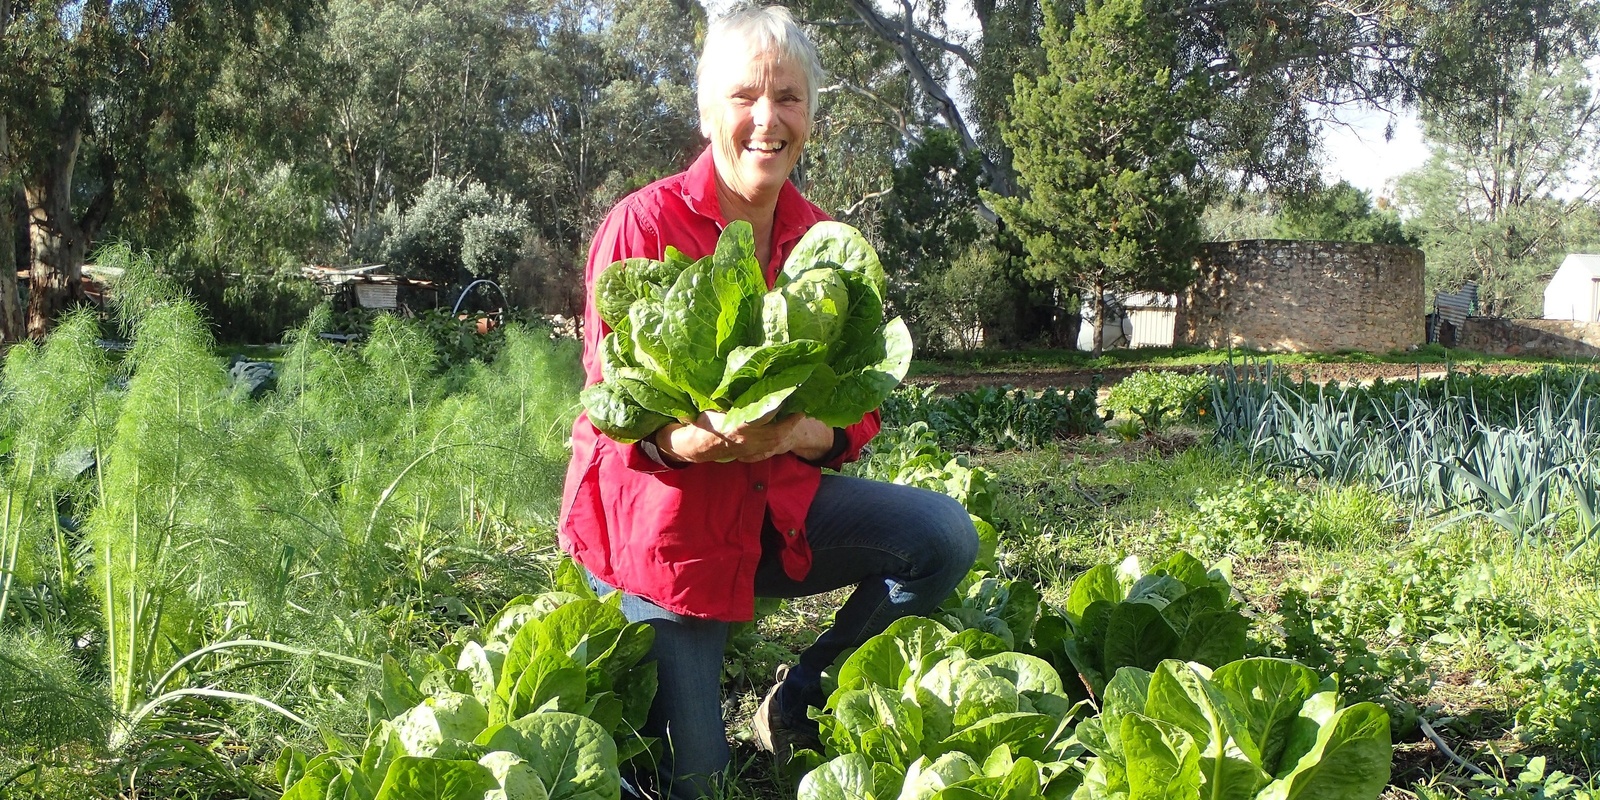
[[102, 99], [564, 105], [603, 104], [1511, 184], [404, 92], [11, 321], [866, 122]]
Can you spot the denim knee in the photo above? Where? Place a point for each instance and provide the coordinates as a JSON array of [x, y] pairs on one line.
[[952, 539]]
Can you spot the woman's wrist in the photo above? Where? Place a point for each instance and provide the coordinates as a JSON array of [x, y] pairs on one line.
[[815, 440], [662, 440]]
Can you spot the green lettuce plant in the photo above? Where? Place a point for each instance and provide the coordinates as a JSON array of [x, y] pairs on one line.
[[1004, 608], [1258, 728], [1120, 616], [707, 335], [543, 701], [1152, 395], [919, 710]]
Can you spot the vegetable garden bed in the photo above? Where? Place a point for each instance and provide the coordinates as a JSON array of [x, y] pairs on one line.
[[230, 588]]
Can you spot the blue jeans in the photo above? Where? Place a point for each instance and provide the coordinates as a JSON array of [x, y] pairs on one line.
[[903, 548]]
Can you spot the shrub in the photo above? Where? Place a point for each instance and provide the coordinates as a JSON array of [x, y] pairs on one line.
[[1154, 396], [453, 231]]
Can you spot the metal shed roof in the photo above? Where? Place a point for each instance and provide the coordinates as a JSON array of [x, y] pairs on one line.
[[1584, 261]]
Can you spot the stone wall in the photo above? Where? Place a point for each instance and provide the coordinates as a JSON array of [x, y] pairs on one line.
[[1547, 338], [1271, 294]]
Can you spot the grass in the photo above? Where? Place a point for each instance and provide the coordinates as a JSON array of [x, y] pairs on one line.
[[1183, 356]]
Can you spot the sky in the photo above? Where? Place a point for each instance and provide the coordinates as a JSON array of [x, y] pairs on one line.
[[1354, 149]]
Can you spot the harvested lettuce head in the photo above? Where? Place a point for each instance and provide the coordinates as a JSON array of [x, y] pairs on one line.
[[708, 335]]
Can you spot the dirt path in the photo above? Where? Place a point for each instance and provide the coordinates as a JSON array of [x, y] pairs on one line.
[[1074, 378]]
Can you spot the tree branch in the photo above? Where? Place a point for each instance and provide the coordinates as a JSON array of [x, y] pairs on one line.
[[856, 206], [900, 125], [946, 45], [998, 181]]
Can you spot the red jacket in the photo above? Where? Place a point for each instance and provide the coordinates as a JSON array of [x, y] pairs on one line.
[[688, 539]]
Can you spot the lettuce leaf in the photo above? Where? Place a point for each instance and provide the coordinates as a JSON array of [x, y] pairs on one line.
[[1256, 729]]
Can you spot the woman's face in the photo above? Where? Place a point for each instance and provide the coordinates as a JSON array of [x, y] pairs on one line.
[[757, 122]]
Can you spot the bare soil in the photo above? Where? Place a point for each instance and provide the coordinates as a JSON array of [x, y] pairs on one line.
[[1076, 377]]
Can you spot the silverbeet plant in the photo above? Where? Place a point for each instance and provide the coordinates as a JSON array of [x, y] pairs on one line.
[[920, 712], [691, 336], [542, 703], [1259, 728]]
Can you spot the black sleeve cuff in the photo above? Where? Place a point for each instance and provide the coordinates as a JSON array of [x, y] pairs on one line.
[[841, 442], [648, 447]]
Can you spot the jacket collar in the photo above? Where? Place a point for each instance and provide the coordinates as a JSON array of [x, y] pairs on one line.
[[700, 193]]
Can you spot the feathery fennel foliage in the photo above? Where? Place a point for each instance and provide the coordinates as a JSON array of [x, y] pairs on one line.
[[53, 407], [163, 529], [45, 699], [249, 560]]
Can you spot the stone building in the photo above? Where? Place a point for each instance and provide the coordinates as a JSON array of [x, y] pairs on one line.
[[1270, 294]]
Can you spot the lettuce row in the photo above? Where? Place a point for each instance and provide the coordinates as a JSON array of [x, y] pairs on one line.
[[919, 710], [1120, 616], [707, 335], [541, 703], [1256, 729]]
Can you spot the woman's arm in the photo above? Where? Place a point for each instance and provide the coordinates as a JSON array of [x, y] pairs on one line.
[[710, 439]]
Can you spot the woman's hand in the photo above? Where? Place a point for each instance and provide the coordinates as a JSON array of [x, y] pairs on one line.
[[710, 438]]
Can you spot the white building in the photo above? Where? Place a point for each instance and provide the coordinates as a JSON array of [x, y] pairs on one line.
[[1574, 291], [1143, 319]]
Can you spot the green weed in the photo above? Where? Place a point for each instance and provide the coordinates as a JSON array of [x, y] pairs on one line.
[[1245, 516], [1514, 777]]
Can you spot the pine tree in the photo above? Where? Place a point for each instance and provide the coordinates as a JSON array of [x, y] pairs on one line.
[[1109, 198]]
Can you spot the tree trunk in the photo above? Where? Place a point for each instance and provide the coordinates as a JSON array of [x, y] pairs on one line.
[[1097, 333], [59, 247], [11, 321], [60, 242]]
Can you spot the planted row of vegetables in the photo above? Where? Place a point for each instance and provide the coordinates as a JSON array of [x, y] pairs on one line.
[[543, 701], [1520, 452]]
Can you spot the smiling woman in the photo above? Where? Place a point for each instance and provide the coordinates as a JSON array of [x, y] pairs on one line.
[[696, 520], [758, 91]]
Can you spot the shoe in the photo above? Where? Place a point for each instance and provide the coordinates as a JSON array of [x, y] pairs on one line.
[[775, 731]]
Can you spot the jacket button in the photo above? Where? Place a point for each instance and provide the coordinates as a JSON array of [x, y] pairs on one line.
[[761, 487], [793, 533]]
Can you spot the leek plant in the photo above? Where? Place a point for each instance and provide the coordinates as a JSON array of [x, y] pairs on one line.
[[1519, 452]]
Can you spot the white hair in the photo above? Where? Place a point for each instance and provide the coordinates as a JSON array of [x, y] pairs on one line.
[[752, 29]]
